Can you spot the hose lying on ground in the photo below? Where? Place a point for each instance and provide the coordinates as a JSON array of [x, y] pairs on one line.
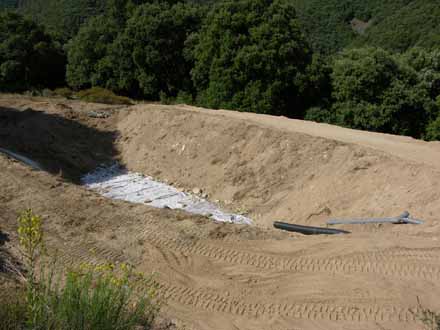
[[404, 218], [22, 159], [307, 230]]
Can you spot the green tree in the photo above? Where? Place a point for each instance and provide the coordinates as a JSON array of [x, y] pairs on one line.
[[152, 48], [251, 56], [142, 57], [375, 90], [86, 53], [28, 56]]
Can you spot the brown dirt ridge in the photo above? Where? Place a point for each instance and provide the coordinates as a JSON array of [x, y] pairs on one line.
[[219, 276]]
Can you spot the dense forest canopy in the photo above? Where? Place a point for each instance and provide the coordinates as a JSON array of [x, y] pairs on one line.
[[393, 24], [366, 64]]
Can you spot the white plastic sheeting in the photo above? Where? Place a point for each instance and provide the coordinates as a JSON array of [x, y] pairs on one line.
[[117, 183]]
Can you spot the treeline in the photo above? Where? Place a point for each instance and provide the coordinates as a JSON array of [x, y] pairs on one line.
[[246, 55]]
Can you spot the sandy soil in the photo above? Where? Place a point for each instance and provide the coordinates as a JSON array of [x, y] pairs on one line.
[[218, 276]]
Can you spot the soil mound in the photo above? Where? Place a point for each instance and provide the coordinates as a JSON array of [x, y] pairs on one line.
[[280, 172]]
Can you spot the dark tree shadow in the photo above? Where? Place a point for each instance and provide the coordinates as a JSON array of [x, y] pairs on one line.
[[63, 146], [3, 238]]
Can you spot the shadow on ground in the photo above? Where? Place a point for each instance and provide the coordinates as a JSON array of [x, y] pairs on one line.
[[65, 147]]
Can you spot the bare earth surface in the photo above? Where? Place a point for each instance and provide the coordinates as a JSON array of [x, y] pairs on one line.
[[218, 276]]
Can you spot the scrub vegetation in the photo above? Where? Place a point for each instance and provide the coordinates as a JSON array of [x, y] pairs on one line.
[[86, 297]]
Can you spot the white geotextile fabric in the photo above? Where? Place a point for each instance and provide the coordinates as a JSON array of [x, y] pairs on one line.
[[115, 182]]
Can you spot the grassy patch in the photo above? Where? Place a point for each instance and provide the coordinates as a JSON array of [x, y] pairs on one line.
[[102, 95]]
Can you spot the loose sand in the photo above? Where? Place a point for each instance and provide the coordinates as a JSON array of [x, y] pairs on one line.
[[221, 276]]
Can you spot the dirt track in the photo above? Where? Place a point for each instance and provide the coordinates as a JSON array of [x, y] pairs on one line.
[[234, 277]]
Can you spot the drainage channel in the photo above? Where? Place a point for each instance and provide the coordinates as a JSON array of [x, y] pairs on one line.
[[117, 183]]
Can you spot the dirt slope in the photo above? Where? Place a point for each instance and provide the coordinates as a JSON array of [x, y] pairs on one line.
[[280, 169], [225, 276]]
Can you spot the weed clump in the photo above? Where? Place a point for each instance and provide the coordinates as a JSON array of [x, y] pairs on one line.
[[88, 297]]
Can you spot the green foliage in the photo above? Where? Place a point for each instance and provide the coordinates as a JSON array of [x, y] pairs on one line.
[[63, 18], [251, 56], [374, 90], [102, 297], [320, 115], [154, 41], [433, 130], [327, 22], [102, 95], [141, 57], [28, 56], [64, 92], [87, 62], [405, 24]]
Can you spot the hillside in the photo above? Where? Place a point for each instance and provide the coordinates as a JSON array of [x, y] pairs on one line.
[[414, 24], [395, 24]]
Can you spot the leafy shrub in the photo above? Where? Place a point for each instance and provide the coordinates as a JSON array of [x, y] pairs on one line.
[[87, 298], [184, 98], [433, 130], [64, 92], [320, 115], [102, 95]]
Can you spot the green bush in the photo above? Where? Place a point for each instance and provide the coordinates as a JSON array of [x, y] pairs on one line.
[[320, 115], [433, 130], [87, 298], [64, 92], [102, 95]]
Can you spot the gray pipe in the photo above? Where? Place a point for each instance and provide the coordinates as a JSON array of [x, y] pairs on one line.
[[404, 218]]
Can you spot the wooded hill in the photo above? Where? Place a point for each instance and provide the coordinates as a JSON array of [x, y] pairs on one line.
[[394, 24]]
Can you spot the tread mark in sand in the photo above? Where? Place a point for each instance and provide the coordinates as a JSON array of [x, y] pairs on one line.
[[214, 302], [309, 311], [383, 263]]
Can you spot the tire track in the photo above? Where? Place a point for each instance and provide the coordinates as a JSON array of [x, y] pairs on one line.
[[214, 302], [211, 301], [426, 254], [386, 264]]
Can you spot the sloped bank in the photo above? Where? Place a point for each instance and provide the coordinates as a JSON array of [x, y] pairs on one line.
[[276, 173]]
